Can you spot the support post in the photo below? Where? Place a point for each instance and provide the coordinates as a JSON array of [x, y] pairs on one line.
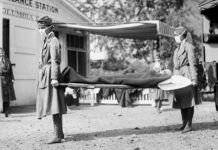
[[1, 46], [1, 21]]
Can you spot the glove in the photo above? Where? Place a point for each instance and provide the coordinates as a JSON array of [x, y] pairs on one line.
[[166, 71], [54, 83], [194, 83]]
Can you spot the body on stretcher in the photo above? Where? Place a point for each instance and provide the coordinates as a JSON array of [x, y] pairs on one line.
[[91, 90], [145, 80]]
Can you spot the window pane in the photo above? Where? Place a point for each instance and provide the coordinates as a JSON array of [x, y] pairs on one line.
[[72, 59], [82, 63], [81, 42], [75, 41], [68, 40]]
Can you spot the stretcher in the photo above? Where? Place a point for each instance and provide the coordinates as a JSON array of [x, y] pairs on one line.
[[92, 86], [173, 83]]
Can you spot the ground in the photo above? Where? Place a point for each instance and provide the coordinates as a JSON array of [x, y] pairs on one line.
[[110, 127]]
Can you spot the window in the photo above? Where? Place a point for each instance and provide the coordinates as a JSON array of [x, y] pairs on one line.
[[77, 53]]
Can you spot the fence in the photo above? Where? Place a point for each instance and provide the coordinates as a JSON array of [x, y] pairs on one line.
[[91, 98]]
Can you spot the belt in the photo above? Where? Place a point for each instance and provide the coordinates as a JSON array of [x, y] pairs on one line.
[[42, 65]]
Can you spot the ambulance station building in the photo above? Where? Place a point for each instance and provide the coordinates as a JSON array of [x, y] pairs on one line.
[[20, 38]]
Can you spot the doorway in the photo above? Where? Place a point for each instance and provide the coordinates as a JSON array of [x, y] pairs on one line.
[[6, 37]]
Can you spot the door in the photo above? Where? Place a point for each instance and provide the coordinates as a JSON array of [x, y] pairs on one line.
[[23, 54]]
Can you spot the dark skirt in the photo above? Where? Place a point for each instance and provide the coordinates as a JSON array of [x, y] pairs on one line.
[[186, 97], [7, 86]]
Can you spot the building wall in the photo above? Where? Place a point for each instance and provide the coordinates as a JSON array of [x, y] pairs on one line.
[[210, 50], [25, 39]]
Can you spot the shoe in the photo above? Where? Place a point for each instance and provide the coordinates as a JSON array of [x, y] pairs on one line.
[[158, 111], [54, 140], [6, 115], [62, 136], [186, 130], [182, 128]]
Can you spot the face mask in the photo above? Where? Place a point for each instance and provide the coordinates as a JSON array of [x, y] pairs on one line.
[[178, 39], [42, 32]]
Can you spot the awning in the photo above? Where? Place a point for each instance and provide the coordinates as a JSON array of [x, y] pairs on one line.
[[207, 4], [209, 8], [143, 30]]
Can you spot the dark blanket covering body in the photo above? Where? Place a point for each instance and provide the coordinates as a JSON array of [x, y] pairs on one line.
[[147, 79]]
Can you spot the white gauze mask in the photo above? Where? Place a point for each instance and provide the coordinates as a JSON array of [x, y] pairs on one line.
[[42, 33], [178, 39]]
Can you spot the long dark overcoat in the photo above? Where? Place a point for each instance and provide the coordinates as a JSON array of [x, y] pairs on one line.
[[185, 64], [50, 100], [6, 82]]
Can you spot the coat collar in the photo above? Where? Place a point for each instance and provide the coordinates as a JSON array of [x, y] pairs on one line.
[[46, 41], [181, 48], [50, 36]]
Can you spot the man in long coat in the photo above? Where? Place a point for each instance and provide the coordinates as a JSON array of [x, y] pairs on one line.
[[184, 61], [50, 99], [7, 93]]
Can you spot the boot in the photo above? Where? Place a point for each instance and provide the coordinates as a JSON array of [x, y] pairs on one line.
[[6, 106], [159, 104], [61, 127], [184, 118], [57, 130], [6, 114], [188, 127]]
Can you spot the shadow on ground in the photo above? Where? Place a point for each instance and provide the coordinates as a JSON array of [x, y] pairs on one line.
[[32, 108], [23, 109], [139, 131]]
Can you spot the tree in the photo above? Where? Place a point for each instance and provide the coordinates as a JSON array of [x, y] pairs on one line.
[[106, 12]]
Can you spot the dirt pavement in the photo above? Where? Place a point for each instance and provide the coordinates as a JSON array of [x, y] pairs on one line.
[[110, 127]]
